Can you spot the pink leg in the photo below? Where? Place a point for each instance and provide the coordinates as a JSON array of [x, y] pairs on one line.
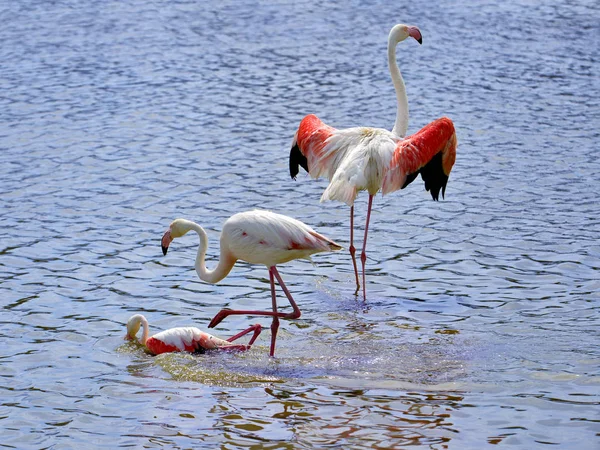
[[256, 328], [295, 314], [363, 255], [353, 249], [275, 323]]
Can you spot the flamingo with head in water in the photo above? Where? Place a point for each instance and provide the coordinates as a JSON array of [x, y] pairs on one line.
[[185, 339], [375, 159], [257, 237]]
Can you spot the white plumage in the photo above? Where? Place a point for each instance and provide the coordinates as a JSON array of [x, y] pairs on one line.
[[264, 237], [359, 159], [189, 337]]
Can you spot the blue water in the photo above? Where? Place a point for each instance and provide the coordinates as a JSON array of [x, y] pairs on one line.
[[481, 326]]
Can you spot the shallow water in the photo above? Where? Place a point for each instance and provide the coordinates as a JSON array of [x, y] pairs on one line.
[[481, 325]]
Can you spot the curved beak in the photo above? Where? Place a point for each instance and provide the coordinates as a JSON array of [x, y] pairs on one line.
[[415, 33], [166, 240]]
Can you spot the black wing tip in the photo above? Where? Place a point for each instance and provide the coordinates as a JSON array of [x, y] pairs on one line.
[[434, 177], [409, 179], [435, 186], [297, 159]]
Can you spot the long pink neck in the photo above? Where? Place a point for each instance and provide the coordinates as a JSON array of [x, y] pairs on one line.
[[226, 259]]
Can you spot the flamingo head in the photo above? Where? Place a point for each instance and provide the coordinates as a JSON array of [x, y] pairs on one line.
[[400, 32], [178, 228], [133, 326]]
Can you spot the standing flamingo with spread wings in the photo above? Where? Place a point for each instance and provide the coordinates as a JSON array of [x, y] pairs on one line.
[[258, 237], [374, 159], [185, 339]]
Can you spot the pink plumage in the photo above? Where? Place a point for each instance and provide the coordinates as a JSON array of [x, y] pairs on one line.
[[184, 339], [418, 153]]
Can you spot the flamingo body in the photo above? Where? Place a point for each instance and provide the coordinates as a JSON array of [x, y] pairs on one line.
[[264, 237], [184, 339]]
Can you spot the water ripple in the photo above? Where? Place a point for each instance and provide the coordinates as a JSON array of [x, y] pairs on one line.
[[481, 322]]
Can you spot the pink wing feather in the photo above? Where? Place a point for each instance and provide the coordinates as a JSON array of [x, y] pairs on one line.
[[309, 148], [431, 151]]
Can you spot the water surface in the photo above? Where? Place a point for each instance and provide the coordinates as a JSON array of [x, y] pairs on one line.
[[481, 326]]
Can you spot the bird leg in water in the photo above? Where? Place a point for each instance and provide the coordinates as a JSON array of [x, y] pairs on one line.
[[275, 323], [363, 255], [353, 249], [295, 314], [256, 328]]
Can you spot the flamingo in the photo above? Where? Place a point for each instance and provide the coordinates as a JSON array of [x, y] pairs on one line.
[[185, 339], [375, 159], [257, 237]]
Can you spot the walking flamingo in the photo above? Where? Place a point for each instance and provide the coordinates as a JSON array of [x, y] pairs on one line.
[[257, 237], [374, 159], [185, 339]]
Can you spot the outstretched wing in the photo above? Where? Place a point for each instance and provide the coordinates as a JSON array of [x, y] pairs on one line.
[[317, 148], [431, 152]]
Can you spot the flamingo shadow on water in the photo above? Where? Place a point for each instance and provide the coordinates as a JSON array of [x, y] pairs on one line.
[[375, 159], [257, 237]]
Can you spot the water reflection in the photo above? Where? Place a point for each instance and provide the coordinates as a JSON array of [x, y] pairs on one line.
[[314, 417]]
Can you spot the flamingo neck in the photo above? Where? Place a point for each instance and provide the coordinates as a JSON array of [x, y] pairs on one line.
[[145, 331], [226, 260], [401, 124]]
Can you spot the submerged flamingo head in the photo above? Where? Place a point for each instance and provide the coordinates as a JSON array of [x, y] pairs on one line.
[[133, 326], [178, 228], [165, 241], [400, 32]]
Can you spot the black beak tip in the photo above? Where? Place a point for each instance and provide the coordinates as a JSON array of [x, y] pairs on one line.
[[420, 41], [164, 249]]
